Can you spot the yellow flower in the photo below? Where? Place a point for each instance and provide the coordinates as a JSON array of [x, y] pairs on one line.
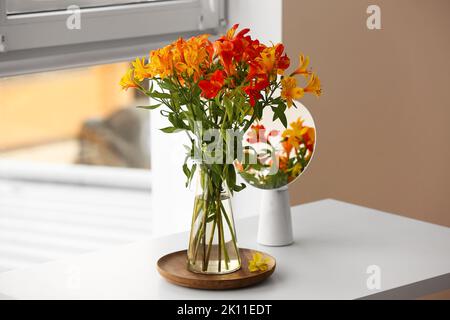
[[161, 62], [273, 61], [313, 85], [290, 91], [190, 63], [128, 80], [303, 66], [268, 59], [141, 69], [293, 135], [259, 263]]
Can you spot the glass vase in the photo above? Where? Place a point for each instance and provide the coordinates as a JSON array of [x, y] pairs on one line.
[[213, 247]]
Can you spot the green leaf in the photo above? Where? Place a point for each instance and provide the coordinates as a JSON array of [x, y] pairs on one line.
[[191, 175], [279, 113], [217, 100], [170, 130], [239, 188], [187, 173], [150, 107], [186, 170], [231, 177], [228, 107], [161, 95]]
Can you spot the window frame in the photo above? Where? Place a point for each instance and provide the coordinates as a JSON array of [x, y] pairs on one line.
[[36, 42]]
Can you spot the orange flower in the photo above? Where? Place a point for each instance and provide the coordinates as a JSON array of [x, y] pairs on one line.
[[290, 90], [128, 80], [283, 162], [210, 88], [313, 86], [287, 146], [161, 62], [141, 69], [273, 61], [298, 134], [303, 66], [239, 166], [193, 56]]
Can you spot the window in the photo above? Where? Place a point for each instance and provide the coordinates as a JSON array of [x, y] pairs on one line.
[[74, 159], [74, 150], [34, 35], [73, 116]]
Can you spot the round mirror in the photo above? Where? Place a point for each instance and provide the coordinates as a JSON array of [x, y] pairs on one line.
[[275, 156]]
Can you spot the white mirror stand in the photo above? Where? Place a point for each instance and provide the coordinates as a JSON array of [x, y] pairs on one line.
[[275, 221]]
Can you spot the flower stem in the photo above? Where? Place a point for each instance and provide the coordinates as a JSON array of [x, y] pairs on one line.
[[205, 215], [211, 237], [232, 231], [219, 230], [222, 244]]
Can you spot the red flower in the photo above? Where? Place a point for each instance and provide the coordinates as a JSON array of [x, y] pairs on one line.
[[253, 90], [210, 88], [235, 48], [282, 61], [258, 134]]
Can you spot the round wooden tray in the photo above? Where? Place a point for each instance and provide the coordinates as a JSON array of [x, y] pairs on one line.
[[173, 268]]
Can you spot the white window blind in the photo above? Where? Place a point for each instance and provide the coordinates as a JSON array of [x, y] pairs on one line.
[[34, 36], [30, 6]]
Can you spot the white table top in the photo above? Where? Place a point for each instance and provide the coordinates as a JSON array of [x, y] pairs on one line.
[[335, 242]]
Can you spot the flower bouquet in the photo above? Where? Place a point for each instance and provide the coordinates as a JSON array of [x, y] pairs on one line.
[[215, 92]]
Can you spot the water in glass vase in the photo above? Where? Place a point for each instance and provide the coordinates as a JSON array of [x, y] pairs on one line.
[[213, 245]]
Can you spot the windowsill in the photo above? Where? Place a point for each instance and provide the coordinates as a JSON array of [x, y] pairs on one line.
[[42, 221], [82, 175]]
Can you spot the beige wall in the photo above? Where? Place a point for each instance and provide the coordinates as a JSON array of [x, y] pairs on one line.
[[383, 132]]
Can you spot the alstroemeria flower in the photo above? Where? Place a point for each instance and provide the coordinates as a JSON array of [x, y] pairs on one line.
[[298, 133], [303, 66], [258, 263], [293, 135], [233, 49], [253, 90], [313, 85], [309, 137], [142, 70], [290, 91], [283, 162], [161, 61], [239, 166], [210, 88], [258, 134], [287, 146], [193, 56], [128, 80], [273, 61], [229, 48]]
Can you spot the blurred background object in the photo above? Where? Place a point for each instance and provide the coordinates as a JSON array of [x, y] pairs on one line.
[[120, 140], [74, 116]]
